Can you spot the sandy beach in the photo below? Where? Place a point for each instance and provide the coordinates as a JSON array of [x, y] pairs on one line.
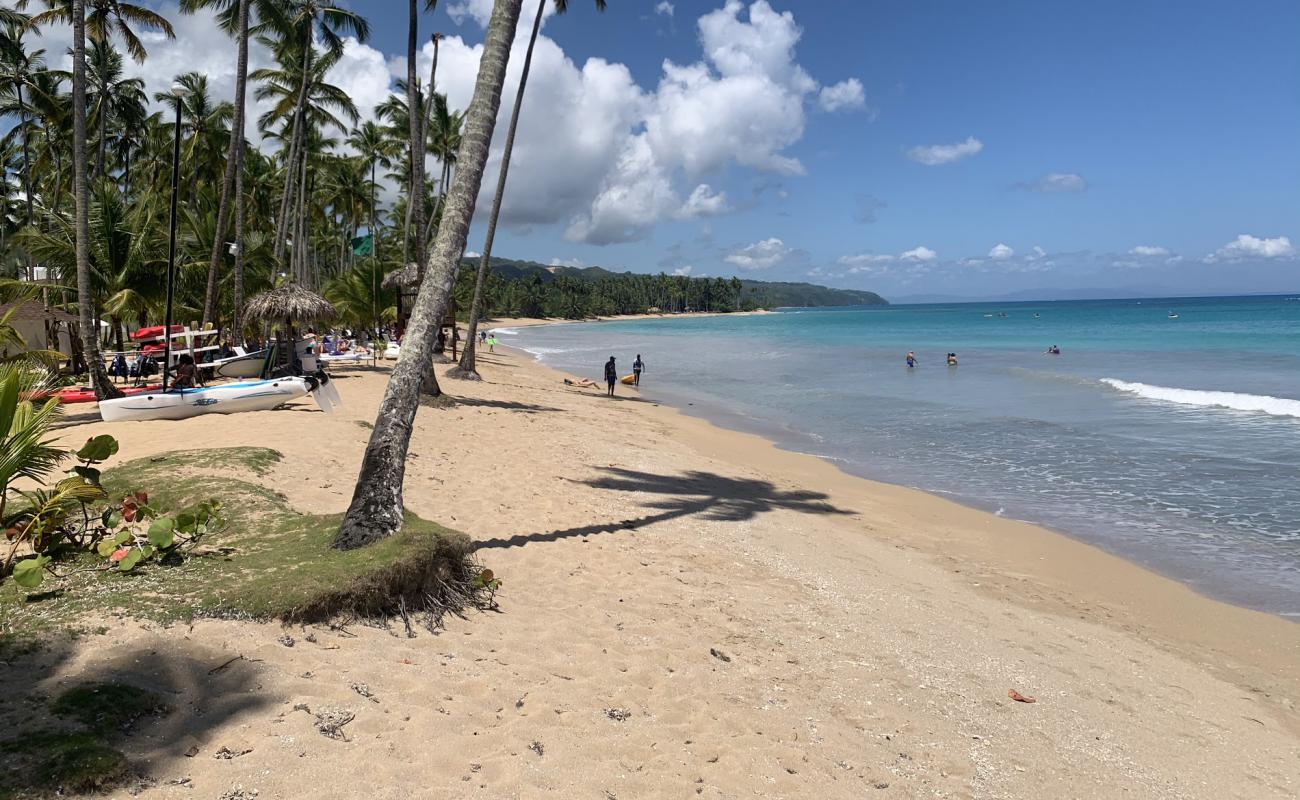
[[692, 612]]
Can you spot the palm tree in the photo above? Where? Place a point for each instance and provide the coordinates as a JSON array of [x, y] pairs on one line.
[[116, 98], [466, 368], [19, 68], [105, 18], [87, 321], [297, 24], [370, 141], [377, 510], [204, 124], [234, 156]]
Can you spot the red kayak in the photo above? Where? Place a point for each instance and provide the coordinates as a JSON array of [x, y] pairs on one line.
[[153, 332], [85, 394]]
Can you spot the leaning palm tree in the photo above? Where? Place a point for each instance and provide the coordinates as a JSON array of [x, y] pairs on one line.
[[377, 510], [466, 368]]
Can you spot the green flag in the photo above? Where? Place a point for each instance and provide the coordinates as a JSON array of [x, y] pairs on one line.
[[363, 245]]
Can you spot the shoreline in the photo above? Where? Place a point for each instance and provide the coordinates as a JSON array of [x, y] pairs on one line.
[[1125, 591], [786, 440]]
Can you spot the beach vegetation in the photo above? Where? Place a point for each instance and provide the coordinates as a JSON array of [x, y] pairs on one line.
[[265, 560]]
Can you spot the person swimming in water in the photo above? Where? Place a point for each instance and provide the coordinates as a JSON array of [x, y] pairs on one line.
[[952, 359], [911, 359], [1053, 351]]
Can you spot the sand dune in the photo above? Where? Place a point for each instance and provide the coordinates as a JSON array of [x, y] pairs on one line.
[[690, 612]]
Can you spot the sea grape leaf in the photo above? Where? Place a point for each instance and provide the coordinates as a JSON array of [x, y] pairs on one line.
[[98, 448], [29, 572], [162, 532]]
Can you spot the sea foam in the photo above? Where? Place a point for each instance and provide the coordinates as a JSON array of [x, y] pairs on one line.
[[1277, 406]]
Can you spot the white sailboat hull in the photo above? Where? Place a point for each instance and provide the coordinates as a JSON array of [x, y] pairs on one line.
[[228, 399]]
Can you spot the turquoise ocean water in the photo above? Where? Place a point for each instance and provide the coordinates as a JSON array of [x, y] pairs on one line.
[[1172, 442]]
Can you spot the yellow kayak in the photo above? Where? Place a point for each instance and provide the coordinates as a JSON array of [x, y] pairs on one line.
[[628, 379]]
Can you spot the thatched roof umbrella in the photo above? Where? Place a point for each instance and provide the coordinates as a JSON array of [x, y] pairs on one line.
[[292, 303], [403, 277]]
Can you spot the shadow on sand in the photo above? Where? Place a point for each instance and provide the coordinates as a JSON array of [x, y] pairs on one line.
[[704, 494], [199, 689]]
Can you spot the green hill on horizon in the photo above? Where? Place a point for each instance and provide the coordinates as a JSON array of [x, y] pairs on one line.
[[630, 292]]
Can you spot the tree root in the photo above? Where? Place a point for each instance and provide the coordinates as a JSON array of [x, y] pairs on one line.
[[461, 374], [426, 585]]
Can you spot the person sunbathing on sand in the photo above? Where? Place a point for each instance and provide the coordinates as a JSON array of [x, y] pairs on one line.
[[582, 383]]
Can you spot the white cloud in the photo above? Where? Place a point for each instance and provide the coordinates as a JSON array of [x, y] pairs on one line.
[[1056, 182], [1148, 251], [665, 8], [1247, 246], [472, 254], [759, 255], [686, 270], [703, 202], [920, 253], [846, 95], [1001, 252], [864, 259], [935, 154], [1036, 254], [866, 262], [577, 263]]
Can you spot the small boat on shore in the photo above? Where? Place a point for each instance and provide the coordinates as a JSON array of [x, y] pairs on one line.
[[230, 398]]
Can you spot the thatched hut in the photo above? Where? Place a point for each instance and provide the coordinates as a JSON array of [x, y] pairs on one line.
[[407, 282], [292, 303], [403, 277]]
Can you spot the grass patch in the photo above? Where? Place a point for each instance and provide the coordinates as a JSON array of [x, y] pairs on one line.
[[269, 562], [58, 762]]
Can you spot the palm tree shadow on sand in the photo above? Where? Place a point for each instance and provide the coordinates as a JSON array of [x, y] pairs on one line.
[[704, 494]]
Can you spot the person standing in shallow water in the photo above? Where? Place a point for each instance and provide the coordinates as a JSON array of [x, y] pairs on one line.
[[911, 359], [637, 367], [611, 375]]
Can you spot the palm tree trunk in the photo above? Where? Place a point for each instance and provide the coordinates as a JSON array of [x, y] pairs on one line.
[[27, 173], [297, 142], [466, 368], [237, 314], [377, 509], [415, 117], [232, 163], [85, 291], [103, 135]]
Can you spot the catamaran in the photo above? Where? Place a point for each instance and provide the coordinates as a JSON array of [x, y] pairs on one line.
[[227, 398]]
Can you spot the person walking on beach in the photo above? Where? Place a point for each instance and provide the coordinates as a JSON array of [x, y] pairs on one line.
[[911, 359], [637, 367], [611, 375]]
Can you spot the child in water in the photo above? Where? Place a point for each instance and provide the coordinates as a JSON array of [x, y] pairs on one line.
[[952, 359], [911, 359]]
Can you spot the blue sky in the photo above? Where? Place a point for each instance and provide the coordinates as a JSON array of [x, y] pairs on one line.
[[1179, 119], [905, 146]]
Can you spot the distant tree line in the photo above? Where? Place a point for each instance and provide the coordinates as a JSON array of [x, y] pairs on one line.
[[528, 289]]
